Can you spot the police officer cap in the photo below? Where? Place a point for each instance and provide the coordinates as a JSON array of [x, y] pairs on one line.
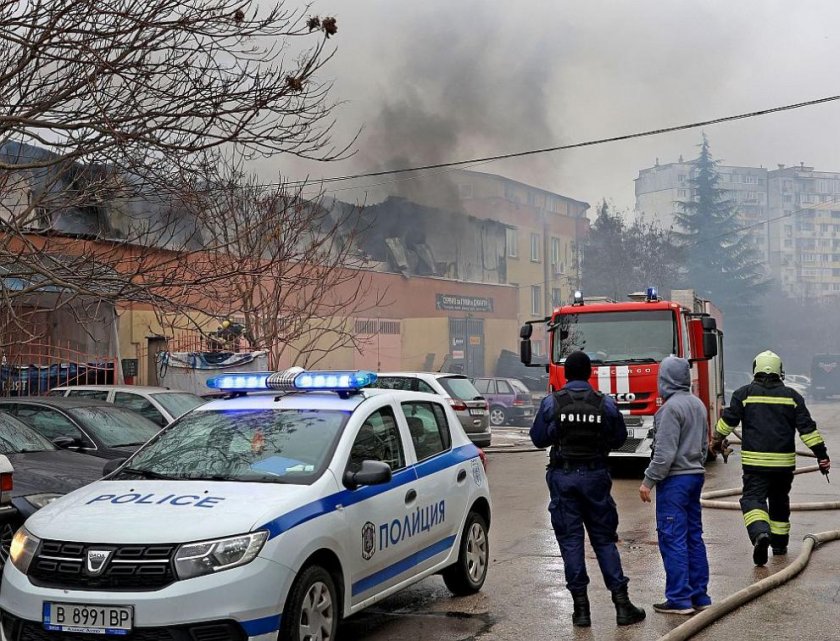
[[578, 367]]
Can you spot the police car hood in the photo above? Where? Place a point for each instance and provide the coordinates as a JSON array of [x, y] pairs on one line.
[[148, 511]]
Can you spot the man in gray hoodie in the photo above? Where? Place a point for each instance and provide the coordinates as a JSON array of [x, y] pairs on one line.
[[676, 468]]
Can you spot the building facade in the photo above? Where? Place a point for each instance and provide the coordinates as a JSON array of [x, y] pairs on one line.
[[792, 213], [804, 232], [544, 238]]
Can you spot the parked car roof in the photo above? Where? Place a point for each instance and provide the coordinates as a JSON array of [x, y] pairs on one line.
[[123, 388]]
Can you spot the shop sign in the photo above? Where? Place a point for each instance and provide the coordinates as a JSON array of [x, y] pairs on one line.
[[456, 303]]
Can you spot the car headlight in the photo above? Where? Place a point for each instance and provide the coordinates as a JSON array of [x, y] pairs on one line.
[[207, 557], [41, 500], [23, 548]]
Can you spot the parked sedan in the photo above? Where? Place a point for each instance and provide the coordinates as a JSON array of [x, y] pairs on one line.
[[510, 401], [469, 405], [158, 404], [90, 427], [42, 473]]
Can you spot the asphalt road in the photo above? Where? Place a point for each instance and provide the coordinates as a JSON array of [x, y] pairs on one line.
[[525, 598]]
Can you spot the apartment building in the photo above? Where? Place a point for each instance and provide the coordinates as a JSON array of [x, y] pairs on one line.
[[793, 214], [804, 232], [660, 190]]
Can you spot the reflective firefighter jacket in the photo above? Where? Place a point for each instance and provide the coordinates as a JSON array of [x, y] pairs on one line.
[[771, 415]]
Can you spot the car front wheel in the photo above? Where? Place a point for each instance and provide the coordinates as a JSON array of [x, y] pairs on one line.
[[7, 533], [467, 574], [498, 416], [312, 610]]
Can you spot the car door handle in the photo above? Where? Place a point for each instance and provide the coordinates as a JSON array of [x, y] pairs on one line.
[[410, 496], [462, 474]]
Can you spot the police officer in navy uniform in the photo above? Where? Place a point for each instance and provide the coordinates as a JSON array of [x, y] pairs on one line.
[[582, 426]]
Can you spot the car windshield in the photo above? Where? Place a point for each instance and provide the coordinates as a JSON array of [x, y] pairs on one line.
[[268, 445], [16, 437], [617, 337], [460, 388], [178, 403], [114, 426]]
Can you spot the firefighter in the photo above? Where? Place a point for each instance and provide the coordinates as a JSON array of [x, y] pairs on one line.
[[771, 414], [582, 426]]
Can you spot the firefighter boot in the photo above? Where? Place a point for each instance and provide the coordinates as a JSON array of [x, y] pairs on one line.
[[580, 617], [762, 542], [625, 612]]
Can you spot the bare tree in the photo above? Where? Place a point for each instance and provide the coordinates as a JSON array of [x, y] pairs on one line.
[[288, 265], [108, 104]]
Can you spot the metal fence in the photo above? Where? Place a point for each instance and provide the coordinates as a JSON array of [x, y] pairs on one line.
[[34, 368]]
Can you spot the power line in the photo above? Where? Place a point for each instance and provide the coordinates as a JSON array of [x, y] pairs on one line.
[[577, 145]]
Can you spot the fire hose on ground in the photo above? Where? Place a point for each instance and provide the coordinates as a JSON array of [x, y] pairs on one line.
[[723, 607]]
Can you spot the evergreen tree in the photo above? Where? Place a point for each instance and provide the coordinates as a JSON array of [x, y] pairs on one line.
[[619, 258], [605, 265], [721, 260]]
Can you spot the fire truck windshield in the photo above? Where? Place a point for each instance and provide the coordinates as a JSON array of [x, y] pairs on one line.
[[616, 337]]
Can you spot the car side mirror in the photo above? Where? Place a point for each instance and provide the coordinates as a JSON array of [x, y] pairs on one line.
[[525, 351], [67, 442], [371, 473], [111, 465]]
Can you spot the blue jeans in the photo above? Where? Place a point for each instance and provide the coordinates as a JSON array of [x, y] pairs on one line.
[[680, 529], [580, 498]]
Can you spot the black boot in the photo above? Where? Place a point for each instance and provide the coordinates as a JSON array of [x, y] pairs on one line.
[[580, 617], [625, 612], [762, 542]]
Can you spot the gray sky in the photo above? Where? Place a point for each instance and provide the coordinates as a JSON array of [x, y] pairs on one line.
[[443, 80]]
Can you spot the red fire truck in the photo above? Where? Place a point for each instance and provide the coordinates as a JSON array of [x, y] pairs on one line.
[[626, 342]]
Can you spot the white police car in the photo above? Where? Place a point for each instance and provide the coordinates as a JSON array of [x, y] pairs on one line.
[[259, 516]]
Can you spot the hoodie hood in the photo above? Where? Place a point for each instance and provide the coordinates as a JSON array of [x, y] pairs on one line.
[[674, 376]]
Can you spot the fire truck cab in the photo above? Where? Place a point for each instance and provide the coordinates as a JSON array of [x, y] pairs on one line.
[[626, 342]]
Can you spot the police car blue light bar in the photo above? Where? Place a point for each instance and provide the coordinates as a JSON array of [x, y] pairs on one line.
[[335, 381], [293, 379], [251, 381]]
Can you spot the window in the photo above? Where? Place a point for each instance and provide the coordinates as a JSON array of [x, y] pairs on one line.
[[378, 440], [389, 327], [267, 445], [372, 326], [681, 178], [178, 403], [511, 243], [536, 299], [682, 193], [47, 422], [428, 427], [556, 297], [485, 385], [140, 405], [504, 387], [535, 247], [365, 327], [555, 252], [532, 199], [404, 383], [99, 395], [751, 180]]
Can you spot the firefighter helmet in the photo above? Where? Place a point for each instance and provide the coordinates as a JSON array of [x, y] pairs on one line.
[[768, 363]]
